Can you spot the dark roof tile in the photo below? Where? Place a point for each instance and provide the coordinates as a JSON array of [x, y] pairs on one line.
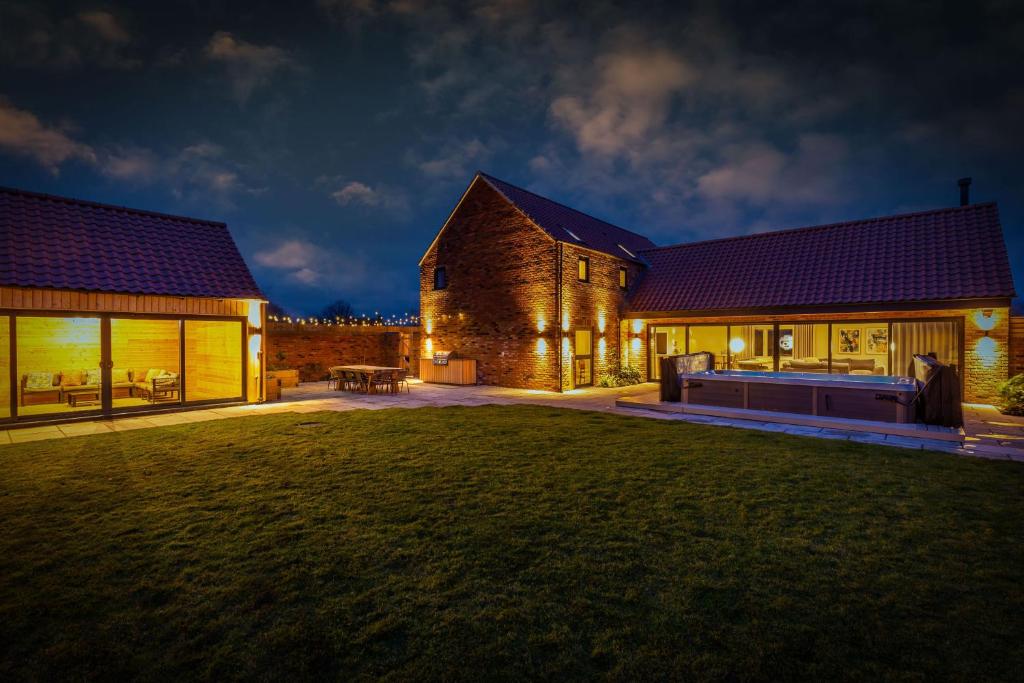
[[62, 243], [945, 254]]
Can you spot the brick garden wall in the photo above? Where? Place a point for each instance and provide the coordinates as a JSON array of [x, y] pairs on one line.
[[1016, 345], [312, 349]]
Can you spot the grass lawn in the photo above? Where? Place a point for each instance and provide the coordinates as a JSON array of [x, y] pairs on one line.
[[504, 542]]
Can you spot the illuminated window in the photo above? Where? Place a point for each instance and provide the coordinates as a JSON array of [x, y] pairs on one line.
[[440, 278], [623, 278], [584, 269]]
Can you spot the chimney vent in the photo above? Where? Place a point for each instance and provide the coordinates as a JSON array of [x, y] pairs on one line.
[[965, 191]]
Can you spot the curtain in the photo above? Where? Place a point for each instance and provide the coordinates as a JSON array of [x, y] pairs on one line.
[[940, 338], [803, 342], [746, 333]]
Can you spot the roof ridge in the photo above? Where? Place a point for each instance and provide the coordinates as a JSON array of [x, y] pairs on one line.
[[488, 177], [112, 207], [824, 226]]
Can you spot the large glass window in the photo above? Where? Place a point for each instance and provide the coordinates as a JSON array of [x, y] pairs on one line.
[[940, 338], [213, 360], [583, 363], [713, 339], [146, 359], [58, 365], [751, 347], [860, 348], [5, 367], [665, 341], [803, 348]]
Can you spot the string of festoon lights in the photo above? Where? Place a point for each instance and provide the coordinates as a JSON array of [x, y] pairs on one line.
[[376, 320]]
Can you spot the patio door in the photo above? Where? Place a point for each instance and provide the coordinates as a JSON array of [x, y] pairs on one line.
[[59, 365], [145, 363], [583, 361]]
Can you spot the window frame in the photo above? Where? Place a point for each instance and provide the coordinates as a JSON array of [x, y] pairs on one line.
[[583, 260], [623, 278], [443, 272]]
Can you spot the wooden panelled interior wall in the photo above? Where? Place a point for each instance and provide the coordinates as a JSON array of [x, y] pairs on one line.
[[57, 344], [213, 360], [5, 367], [65, 300], [143, 345]]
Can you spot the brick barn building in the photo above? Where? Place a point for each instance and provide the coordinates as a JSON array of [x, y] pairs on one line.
[[547, 297]]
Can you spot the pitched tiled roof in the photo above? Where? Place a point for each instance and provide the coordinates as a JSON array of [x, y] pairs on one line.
[[56, 242], [955, 253], [572, 226]]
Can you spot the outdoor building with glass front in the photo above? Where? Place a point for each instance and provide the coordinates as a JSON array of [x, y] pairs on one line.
[[106, 310]]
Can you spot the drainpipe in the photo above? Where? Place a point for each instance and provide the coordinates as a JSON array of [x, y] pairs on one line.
[[558, 312]]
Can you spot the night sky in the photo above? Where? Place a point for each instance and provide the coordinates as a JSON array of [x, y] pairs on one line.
[[335, 136]]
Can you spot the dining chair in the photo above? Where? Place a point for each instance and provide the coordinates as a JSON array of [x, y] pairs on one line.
[[400, 380], [336, 379]]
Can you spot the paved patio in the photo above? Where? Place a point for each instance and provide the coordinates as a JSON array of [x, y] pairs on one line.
[[989, 434]]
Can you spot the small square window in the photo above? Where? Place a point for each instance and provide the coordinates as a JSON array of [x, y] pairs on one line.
[[584, 269], [623, 278], [440, 278]]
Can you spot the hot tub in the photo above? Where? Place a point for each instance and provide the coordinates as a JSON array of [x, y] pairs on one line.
[[861, 397]]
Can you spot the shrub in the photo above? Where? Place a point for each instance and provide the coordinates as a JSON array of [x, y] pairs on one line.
[[1012, 393], [626, 376]]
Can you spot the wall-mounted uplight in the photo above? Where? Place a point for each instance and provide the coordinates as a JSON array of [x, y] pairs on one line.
[[565, 345], [638, 326], [542, 346], [634, 345], [985, 350], [600, 322], [736, 345], [565, 323], [541, 323], [985, 320], [602, 346]]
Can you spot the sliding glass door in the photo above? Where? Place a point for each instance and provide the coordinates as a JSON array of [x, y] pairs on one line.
[[103, 363]]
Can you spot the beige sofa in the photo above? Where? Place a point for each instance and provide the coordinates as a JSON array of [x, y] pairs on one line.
[[53, 387], [841, 365]]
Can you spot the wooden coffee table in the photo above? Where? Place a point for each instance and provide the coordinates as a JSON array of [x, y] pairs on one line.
[[83, 397]]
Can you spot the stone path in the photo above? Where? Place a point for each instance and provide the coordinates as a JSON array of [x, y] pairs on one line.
[[989, 434]]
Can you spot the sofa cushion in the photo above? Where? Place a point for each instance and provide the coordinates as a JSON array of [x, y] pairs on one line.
[[39, 380], [805, 364], [71, 378], [93, 377], [119, 376], [856, 363], [153, 374]]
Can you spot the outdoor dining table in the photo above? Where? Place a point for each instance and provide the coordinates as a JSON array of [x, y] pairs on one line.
[[366, 372]]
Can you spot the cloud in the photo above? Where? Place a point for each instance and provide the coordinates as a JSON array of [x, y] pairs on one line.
[[356, 192], [23, 134], [456, 161], [30, 38], [248, 66], [106, 25], [200, 171], [631, 100], [311, 265]]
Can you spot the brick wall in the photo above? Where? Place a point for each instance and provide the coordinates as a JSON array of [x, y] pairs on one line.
[[312, 349], [597, 304], [986, 363], [1016, 359], [499, 305]]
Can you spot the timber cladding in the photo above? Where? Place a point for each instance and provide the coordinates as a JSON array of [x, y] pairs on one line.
[[313, 349]]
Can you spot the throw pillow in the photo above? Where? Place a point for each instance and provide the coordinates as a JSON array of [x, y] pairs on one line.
[[153, 374], [71, 378], [93, 377], [119, 376], [39, 380]]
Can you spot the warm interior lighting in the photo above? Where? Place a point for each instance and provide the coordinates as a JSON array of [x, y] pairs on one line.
[[987, 351], [542, 345], [638, 325], [736, 345]]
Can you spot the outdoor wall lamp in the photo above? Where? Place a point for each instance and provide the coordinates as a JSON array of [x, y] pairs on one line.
[[985, 320]]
